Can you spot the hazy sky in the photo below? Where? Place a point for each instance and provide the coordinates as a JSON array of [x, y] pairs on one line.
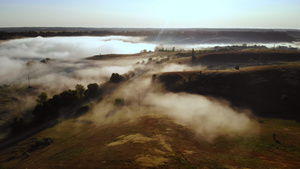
[[151, 13]]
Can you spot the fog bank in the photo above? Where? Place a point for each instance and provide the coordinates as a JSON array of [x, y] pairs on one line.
[[69, 67], [208, 117], [71, 47]]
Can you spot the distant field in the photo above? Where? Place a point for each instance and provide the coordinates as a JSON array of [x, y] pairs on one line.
[[115, 56], [224, 60]]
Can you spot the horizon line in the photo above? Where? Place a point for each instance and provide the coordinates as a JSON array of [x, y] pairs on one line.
[[7, 27]]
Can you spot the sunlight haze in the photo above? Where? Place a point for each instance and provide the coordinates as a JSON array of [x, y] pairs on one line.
[[152, 14]]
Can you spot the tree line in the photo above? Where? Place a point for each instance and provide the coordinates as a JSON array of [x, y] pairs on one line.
[[69, 103]]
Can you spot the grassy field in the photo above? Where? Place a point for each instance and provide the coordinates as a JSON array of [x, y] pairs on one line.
[[139, 136], [157, 142], [246, 58], [12, 103]]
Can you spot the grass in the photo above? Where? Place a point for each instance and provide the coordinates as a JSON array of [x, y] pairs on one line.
[[83, 142], [78, 143]]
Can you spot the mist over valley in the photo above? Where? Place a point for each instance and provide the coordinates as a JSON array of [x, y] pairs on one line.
[[152, 98]]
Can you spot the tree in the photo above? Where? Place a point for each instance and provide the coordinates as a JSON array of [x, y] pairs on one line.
[[45, 111], [190, 78], [261, 58], [69, 97], [83, 109], [115, 78], [193, 56], [57, 100], [237, 67], [193, 52], [50, 108], [30, 63], [80, 89], [92, 90], [43, 97], [154, 77]]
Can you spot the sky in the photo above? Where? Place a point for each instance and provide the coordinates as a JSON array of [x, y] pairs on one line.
[[151, 13]]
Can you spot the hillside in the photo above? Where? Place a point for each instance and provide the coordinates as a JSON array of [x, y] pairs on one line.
[[269, 91], [156, 142], [244, 58], [212, 118]]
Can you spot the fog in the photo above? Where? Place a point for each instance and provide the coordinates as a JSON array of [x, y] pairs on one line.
[[71, 47], [69, 67], [208, 117]]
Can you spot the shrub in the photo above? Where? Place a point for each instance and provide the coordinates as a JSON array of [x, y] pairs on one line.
[[115, 78], [82, 110], [92, 91], [17, 124], [154, 76], [80, 89], [43, 97], [237, 67], [170, 79], [119, 102], [3, 167], [284, 97], [40, 143], [49, 108], [69, 97]]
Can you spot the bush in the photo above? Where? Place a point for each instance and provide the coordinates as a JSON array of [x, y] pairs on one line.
[[40, 143], [17, 124], [3, 167], [119, 102], [115, 78], [170, 79], [45, 111], [82, 110], [69, 97], [43, 97], [154, 77], [80, 89], [284, 97], [49, 108], [237, 67], [92, 91]]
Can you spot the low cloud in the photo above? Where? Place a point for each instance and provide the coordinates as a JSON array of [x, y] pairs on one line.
[[208, 117], [71, 47], [69, 68]]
